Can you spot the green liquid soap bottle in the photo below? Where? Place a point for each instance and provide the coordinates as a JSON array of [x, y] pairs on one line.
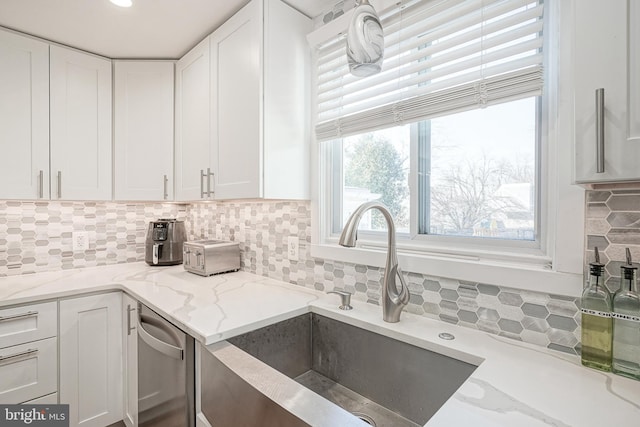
[[626, 323], [597, 324]]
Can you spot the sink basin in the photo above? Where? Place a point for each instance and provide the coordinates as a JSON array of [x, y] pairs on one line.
[[377, 380]]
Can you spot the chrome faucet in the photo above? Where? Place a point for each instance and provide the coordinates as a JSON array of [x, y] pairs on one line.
[[393, 300]]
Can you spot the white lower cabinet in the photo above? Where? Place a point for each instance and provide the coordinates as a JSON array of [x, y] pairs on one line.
[[130, 355], [28, 371], [91, 359], [28, 352]]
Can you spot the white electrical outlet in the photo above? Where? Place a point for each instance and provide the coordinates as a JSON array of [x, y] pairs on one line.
[[80, 240], [292, 248]]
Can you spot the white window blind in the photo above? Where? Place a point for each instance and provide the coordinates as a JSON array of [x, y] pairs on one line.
[[441, 57]]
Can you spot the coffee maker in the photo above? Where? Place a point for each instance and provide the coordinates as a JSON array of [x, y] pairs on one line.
[[165, 238]]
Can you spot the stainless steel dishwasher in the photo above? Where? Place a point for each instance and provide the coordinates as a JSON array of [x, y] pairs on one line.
[[166, 386]]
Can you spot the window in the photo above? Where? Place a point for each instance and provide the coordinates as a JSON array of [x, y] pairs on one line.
[[447, 135]]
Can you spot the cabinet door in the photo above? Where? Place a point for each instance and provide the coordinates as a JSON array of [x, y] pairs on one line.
[[91, 359], [24, 117], [130, 343], [607, 55], [80, 125], [143, 123], [286, 127], [28, 371], [236, 82], [193, 146]]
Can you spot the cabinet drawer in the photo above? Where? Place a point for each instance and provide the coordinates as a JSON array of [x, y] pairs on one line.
[[28, 371], [28, 323]]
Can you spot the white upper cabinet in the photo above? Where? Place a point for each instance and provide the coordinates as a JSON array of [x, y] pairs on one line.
[[259, 110], [607, 56], [236, 92], [24, 117], [80, 102], [143, 130], [193, 146]]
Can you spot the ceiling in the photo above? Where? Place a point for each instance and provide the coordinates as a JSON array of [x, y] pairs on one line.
[[149, 29]]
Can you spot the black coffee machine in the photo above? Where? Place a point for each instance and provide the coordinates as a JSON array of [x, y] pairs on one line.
[[165, 238]]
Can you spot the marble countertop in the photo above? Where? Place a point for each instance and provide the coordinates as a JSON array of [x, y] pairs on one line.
[[515, 385]]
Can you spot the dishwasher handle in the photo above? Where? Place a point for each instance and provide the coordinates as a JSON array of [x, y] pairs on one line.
[[157, 344]]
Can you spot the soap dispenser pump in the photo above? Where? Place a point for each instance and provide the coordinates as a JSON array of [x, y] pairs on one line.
[[626, 323], [596, 319]]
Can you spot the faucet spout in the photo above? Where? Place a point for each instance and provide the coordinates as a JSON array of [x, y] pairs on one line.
[[394, 297]]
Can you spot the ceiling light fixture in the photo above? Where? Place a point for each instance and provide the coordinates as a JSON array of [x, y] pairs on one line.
[[122, 3]]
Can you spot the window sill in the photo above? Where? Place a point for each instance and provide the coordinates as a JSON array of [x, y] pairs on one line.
[[534, 277]]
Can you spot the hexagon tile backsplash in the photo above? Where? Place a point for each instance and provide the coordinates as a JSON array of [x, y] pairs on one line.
[[262, 229], [36, 236], [613, 224]]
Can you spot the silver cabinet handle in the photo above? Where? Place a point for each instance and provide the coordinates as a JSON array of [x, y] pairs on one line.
[[21, 354], [59, 184], [187, 253], [600, 130], [166, 187], [202, 177], [209, 178], [18, 316], [208, 182], [159, 345], [41, 184], [129, 327]]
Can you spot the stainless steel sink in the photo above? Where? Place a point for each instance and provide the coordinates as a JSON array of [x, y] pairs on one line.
[[379, 380]]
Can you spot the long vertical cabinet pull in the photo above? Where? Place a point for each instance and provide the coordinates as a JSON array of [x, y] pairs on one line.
[[129, 327], [205, 176], [166, 185], [210, 176], [202, 177], [59, 184], [600, 130], [41, 185]]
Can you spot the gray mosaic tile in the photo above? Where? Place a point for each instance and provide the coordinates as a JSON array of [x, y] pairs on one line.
[[510, 326], [535, 324], [598, 196], [561, 322], [488, 289], [467, 316], [535, 310], [431, 285], [624, 219], [567, 308], [624, 202], [449, 295], [597, 226], [600, 242], [624, 236], [510, 298], [597, 210], [488, 314]]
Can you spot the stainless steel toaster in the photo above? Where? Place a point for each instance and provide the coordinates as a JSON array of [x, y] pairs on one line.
[[207, 257]]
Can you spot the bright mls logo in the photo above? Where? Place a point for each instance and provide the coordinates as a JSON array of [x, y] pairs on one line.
[[34, 415]]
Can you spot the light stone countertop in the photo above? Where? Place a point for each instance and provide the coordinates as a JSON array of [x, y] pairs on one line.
[[515, 385]]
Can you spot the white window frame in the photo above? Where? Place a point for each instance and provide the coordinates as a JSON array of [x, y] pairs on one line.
[[556, 266]]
